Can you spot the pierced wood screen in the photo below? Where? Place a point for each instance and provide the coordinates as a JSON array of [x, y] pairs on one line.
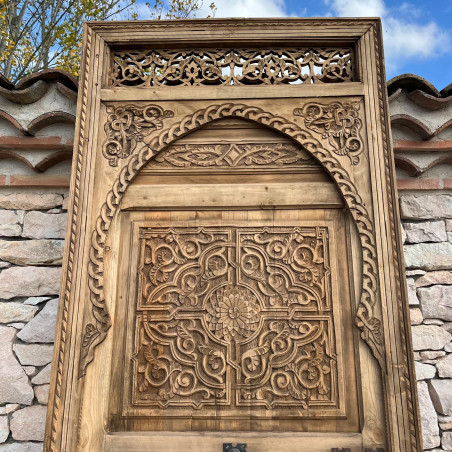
[[233, 267], [267, 66]]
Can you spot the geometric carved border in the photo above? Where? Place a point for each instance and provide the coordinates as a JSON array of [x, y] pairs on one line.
[[367, 320]]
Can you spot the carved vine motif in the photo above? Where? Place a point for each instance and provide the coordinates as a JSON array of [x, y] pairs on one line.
[[367, 317], [247, 155], [127, 126], [231, 67], [339, 123], [236, 317]]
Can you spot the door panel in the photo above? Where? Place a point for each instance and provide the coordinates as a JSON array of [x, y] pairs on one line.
[[236, 320]]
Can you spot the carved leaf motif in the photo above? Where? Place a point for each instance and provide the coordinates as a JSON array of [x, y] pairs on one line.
[[91, 333], [233, 155], [251, 357]]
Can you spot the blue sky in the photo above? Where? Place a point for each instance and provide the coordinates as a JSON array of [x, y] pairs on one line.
[[417, 33]]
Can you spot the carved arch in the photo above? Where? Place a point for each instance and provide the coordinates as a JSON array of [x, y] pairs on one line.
[[366, 318]]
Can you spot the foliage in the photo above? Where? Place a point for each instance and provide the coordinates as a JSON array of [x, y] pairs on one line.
[[40, 34], [177, 9]]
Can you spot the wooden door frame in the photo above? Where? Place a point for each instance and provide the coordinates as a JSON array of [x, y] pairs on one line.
[[97, 186]]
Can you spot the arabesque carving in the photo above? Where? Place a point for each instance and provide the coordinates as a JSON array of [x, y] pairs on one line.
[[339, 123], [367, 318], [233, 155], [127, 126], [235, 317], [190, 67]]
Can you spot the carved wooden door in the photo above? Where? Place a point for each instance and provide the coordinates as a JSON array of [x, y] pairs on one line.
[[234, 250]]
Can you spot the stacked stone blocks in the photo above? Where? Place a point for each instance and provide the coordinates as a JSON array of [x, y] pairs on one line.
[[32, 228], [427, 232]]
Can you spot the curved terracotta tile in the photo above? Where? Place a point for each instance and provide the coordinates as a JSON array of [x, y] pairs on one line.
[[47, 119], [395, 95], [27, 95], [439, 161], [411, 82], [49, 75], [406, 164], [33, 87], [53, 159], [446, 91], [428, 101], [412, 123], [10, 154], [70, 93], [5, 83], [440, 129], [12, 121]]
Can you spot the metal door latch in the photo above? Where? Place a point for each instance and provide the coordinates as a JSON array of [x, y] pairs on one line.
[[239, 447]]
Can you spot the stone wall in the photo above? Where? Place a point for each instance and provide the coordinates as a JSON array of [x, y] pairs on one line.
[[422, 133], [36, 131]]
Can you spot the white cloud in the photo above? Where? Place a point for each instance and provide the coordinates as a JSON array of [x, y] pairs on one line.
[[246, 8], [404, 38], [230, 8], [357, 8], [410, 10]]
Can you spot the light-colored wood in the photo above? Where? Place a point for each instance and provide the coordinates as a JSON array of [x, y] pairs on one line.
[[231, 92], [233, 267], [181, 442], [260, 196]]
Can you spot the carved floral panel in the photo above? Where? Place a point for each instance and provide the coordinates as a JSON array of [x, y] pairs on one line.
[[235, 317], [233, 155]]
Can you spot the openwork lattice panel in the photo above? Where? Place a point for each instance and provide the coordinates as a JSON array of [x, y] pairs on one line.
[[231, 66], [235, 317]]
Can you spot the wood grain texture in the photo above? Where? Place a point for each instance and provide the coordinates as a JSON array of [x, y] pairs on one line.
[[224, 241]]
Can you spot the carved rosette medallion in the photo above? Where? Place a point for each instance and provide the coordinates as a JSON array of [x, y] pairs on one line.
[[339, 123], [233, 313], [235, 317]]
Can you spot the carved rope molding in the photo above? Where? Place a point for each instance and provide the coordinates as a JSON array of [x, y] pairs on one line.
[[366, 318], [337, 122], [60, 340]]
